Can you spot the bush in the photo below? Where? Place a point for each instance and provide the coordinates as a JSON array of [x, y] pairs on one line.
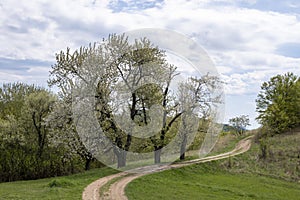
[[60, 183]]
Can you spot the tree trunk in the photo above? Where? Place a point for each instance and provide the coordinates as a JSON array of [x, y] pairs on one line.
[[183, 147], [128, 142], [41, 137], [157, 154], [88, 164], [121, 156]]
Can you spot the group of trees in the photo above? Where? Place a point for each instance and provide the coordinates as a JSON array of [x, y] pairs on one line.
[[132, 84], [278, 106], [129, 81], [278, 103], [24, 137], [29, 144]]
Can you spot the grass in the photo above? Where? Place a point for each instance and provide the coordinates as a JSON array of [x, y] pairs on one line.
[[224, 144], [246, 176], [208, 181], [62, 188], [282, 161]]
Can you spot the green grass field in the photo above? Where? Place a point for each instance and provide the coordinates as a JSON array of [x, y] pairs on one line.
[[207, 181], [59, 188], [241, 177]]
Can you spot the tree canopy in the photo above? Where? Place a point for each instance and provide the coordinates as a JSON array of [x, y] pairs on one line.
[[278, 103], [239, 123], [128, 80]]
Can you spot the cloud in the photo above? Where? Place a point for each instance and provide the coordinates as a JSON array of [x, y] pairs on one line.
[[248, 40], [73, 24], [248, 83], [26, 70], [133, 5], [237, 38], [36, 75]]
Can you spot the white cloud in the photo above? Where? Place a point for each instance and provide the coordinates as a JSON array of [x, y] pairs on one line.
[[33, 75], [242, 42], [234, 84], [10, 77], [69, 23]]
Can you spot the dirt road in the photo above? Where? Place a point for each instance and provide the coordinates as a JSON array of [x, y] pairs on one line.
[[117, 189]]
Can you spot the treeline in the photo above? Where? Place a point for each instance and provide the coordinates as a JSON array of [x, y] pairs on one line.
[[40, 136], [29, 148]]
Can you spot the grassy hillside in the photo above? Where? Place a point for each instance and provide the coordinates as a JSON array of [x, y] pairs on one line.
[[208, 181], [247, 176], [62, 188], [282, 158]]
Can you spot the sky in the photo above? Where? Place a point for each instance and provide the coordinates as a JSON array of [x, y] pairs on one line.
[[249, 41]]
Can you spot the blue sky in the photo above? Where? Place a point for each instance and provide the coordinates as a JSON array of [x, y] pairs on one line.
[[249, 41]]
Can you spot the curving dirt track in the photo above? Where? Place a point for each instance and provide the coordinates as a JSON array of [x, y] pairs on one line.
[[117, 189]]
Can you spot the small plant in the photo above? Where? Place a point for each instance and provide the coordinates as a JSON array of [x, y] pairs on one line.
[[263, 146], [60, 183], [229, 163]]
